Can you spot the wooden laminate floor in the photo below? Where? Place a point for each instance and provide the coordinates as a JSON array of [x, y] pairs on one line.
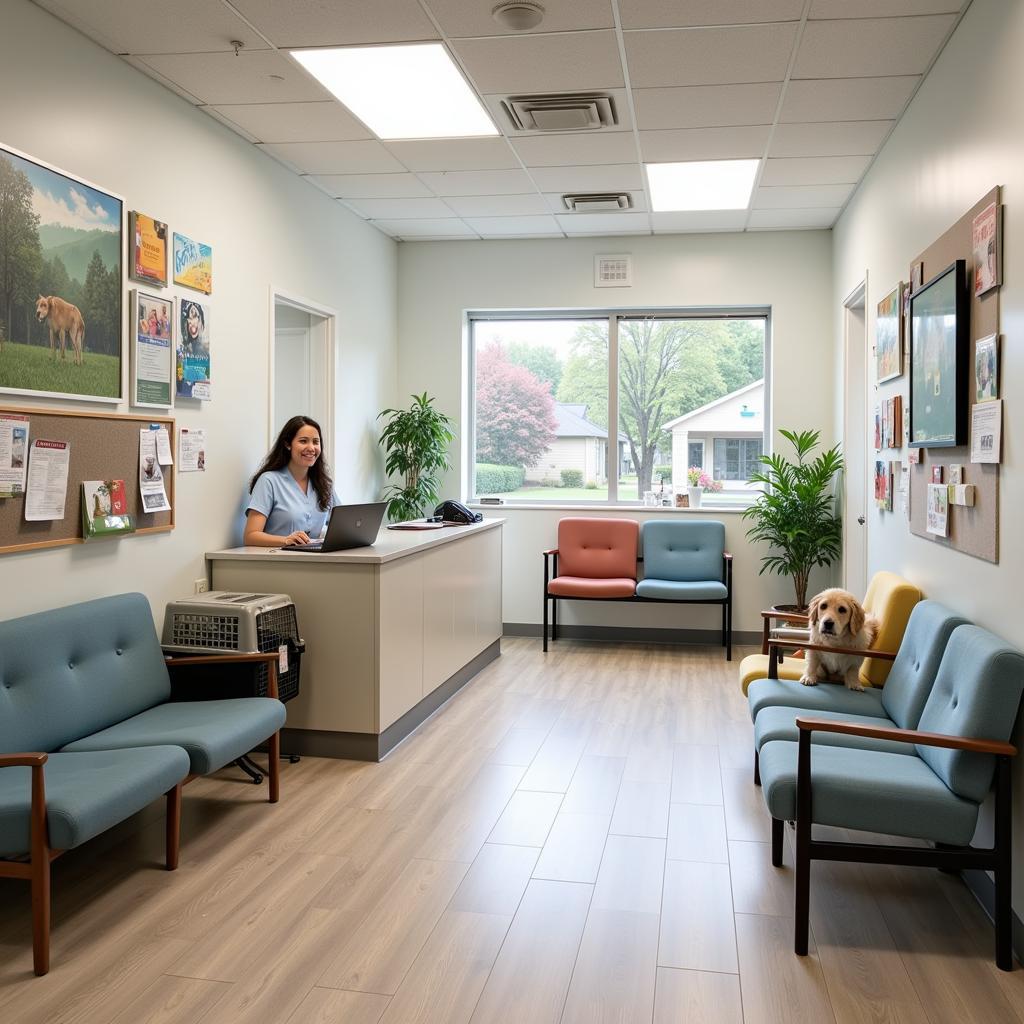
[[575, 838]]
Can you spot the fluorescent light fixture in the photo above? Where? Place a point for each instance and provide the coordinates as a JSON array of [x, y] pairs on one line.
[[702, 185], [410, 91]]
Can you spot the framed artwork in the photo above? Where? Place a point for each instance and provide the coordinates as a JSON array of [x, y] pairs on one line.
[[192, 365], [148, 257], [986, 243], [889, 336], [986, 369], [61, 283], [152, 350], [193, 264], [939, 355]]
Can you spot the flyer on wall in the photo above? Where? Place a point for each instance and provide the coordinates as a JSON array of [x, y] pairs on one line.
[[151, 476], [986, 431], [192, 450], [193, 362], [47, 488], [13, 455], [938, 510]]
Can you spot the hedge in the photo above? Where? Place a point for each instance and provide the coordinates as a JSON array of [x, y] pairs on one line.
[[572, 477], [491, 479]]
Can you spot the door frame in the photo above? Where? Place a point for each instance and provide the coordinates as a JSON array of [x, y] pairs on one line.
[[856, 299]]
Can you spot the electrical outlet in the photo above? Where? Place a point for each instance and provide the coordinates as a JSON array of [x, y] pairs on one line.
[[200, 586]]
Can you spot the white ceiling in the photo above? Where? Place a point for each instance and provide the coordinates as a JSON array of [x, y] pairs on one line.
[[810, 87]]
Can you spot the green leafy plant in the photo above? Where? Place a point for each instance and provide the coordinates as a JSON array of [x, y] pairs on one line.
[[572, 477], [796, 513], [416, 442]]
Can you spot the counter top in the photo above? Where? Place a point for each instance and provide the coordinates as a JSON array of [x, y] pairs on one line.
[[389, 546]]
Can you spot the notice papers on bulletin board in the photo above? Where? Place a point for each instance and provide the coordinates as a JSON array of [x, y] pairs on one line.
[[47, 489], [986, 431], [13, 455], [105, 509], [151, 475]]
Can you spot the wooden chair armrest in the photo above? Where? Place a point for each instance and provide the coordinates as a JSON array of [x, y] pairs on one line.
[[551, 551], [927, 739], [785, 616], [806, 645], [225, 659], [727, 555], [27, 760]]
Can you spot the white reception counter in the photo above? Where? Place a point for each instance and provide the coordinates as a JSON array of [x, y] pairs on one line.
[[391, 630]]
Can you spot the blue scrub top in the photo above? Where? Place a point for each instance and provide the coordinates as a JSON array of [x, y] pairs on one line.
[[278, 496]]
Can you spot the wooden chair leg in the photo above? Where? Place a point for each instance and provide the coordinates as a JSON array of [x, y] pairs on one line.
[[757, 768], [554, 618], [40, 875], [778, 835], [1003, 844], [173, 826], [802, 908], [544, 627], [274, 768]]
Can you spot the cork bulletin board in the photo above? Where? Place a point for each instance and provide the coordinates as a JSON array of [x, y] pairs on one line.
[[972, 530], [104, 446]]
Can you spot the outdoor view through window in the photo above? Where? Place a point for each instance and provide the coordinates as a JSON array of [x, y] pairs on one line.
[[691, 408]]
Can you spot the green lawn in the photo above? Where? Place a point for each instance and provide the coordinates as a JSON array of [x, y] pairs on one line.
[[627, 494], [33, 368]]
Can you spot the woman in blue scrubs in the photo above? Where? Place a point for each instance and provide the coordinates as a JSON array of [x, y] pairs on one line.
[[292, 492]]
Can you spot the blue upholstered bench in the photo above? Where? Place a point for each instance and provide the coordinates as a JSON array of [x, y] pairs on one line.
[[88, 735]]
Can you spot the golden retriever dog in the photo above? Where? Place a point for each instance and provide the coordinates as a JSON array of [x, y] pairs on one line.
[[838, 620], [65, 321]]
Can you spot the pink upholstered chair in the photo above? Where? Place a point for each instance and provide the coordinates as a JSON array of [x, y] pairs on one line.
[[595, 559]]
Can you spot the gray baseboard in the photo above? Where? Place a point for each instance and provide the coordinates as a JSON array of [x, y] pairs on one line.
[[984, 890], [360, 746], [641, 634]]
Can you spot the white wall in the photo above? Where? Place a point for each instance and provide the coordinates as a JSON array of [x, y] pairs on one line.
[[72, 104], [790, 272]]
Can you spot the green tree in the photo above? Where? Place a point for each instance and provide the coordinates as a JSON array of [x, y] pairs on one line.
[[20, 255], [541, 360], [101, 307]]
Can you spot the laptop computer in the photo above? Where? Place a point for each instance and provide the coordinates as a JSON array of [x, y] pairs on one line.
[[349, 526]]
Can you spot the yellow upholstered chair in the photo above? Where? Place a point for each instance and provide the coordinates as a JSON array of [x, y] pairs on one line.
[[890, 598]]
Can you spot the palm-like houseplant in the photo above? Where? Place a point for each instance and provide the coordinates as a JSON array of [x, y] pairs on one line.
[[796, 514], [416, 442]]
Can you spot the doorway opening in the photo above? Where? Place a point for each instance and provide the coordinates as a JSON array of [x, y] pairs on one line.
[[855, 436]]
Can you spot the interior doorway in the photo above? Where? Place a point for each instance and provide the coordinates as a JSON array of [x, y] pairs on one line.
[[855, 436], [301, 363]]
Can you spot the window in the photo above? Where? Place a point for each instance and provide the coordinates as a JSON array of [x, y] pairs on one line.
[[737, 458], [546, 386]]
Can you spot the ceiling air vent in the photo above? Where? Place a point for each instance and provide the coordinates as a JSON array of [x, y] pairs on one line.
[[597, 202], [566, 113], [613, 271]]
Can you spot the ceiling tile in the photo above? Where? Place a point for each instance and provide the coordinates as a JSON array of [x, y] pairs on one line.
[[295, 122], [448, 227], [335, 157], [217, 116], [837, 138], [454, 154], [706, 106], [847, 99], [576, 148], [791, 220], [222, 78], [478, 183], [868, 48], [399, 209], [699, 220], [471, 18], [599, 178], [498, 206], [329, 23], [618, 97], [673, 14], [709, 56], [704, 143], [799, 197], [511, 65], [821, 170], [638, 196], [132, 26], [498, 227], [373, 186], [882, 8], [613, 223]]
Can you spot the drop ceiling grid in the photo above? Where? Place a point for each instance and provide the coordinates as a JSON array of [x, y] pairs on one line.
[[810, 87]]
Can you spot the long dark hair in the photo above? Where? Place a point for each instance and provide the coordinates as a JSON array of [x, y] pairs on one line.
[[280, 455]]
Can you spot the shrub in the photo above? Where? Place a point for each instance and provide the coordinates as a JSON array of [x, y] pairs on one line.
[[591, 485], [662, 471], [572, 477], [491, 479]]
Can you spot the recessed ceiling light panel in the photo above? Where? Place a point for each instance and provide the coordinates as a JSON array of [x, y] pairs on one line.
[[702, 185], [410, 91]]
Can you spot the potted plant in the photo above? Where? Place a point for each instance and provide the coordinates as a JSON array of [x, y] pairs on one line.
[[416, 442], [796, 513], [699, 483]]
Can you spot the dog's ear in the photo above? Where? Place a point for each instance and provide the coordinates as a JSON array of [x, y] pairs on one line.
[[856, 618], [812, 610]]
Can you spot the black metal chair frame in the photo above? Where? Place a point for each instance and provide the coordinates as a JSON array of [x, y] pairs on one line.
[[551, 572], [997, 859]]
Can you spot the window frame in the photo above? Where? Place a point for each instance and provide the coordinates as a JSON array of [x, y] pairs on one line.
[[613, 315]]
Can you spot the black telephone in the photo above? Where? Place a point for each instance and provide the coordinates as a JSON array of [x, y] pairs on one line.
[[456, 512]]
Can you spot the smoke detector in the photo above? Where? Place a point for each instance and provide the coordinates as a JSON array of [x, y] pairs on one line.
[[518, 15]]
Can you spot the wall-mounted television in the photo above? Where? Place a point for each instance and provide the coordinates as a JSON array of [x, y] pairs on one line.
[[940, 360]]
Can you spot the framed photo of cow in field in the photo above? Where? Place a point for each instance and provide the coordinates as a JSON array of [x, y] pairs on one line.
[[61, 283]]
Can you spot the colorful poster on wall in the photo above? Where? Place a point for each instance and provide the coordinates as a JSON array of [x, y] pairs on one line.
[[193, 354], [193, 264], [152, 335], [985, 244], [889, 336], [148, 239]]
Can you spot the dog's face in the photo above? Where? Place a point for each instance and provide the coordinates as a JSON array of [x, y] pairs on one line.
[[42, 308], [836, 614]]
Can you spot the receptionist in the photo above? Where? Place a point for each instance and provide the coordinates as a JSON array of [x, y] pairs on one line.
[[292, 491]]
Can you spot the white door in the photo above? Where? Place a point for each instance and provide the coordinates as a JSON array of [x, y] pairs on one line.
[[855, 434]]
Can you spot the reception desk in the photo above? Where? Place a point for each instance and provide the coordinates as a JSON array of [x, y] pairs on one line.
[[391, 630]]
